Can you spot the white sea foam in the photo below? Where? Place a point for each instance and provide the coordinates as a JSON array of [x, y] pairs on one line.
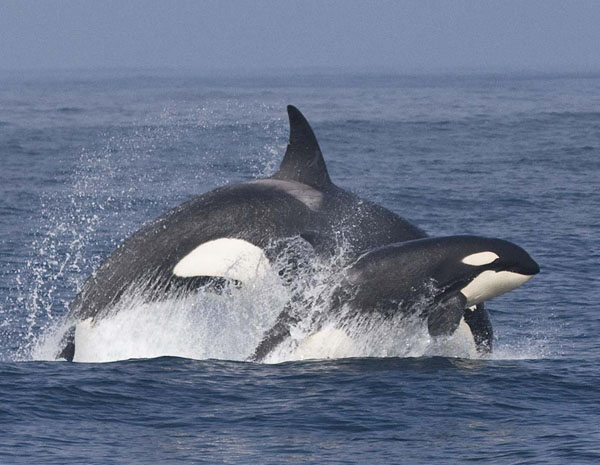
[[226, 325]]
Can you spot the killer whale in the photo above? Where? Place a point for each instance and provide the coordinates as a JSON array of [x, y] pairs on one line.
[[232, 234], [442, 279], [228, 233]]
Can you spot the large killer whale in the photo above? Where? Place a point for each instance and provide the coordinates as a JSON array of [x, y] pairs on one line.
[[233, 233]]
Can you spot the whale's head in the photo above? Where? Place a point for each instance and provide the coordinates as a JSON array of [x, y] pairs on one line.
[[479, 268]]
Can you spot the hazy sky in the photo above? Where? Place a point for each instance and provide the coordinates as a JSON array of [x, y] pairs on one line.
[[207, 35]]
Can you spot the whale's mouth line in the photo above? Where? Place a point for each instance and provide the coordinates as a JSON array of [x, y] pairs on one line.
[[526, 269], [529, 270]]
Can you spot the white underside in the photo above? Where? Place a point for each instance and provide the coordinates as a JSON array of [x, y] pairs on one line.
[[490, 284], [85, 345], [329, 342], [464, 332], [228, 258]]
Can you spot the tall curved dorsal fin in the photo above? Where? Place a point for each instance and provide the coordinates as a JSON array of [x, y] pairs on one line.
[[303, 161]]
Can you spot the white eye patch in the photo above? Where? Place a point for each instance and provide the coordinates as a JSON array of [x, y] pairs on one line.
[[480, 259]]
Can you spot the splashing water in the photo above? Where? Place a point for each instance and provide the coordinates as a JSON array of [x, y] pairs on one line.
[[204, 325]]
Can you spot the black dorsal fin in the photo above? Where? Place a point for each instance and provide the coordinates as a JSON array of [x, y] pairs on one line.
[[303, 161]]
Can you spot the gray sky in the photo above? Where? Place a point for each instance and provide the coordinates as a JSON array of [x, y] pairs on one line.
[[402, 36]]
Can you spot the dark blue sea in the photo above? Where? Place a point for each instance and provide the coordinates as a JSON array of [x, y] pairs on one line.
[[87, 158]]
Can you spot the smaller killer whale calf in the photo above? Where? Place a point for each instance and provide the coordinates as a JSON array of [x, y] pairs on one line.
[[442, 279]]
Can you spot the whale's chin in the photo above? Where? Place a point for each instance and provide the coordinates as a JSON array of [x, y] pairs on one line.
[[490, 284]]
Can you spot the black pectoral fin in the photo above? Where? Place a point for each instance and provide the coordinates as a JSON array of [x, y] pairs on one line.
[[446, 315], [478, 320], [275, 336], [68, 344]]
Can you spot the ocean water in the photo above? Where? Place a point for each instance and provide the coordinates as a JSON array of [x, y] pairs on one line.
[[87, 158]]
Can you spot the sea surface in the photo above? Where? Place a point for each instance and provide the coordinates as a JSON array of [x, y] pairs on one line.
[[87, 158]]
